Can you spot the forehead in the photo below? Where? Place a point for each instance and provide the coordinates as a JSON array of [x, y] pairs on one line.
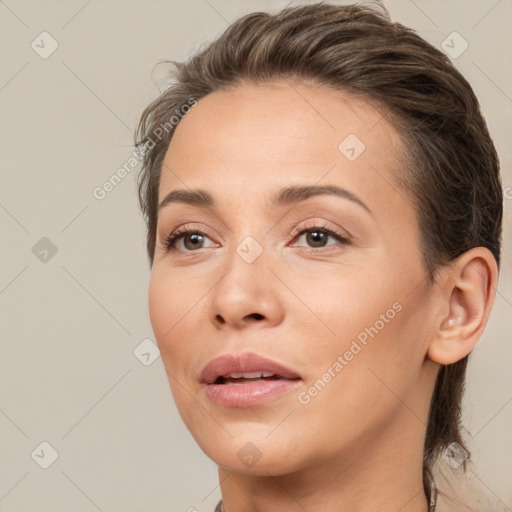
[[255, 135]]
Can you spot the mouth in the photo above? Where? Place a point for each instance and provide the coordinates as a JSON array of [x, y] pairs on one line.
[[246, 380], [247, 377]]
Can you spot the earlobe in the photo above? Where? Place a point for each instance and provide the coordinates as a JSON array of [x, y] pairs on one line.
[[469, 290]]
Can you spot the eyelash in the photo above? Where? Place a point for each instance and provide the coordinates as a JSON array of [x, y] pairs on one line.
[[180, 232], [323, 228]]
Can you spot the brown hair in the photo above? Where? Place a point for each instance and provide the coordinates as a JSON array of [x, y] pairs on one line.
[[450, 171]]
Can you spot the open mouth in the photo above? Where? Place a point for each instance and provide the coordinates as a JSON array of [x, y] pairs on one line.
[[246, 380], [249, 377]]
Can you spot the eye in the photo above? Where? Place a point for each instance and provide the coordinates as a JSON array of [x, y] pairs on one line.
[[192, 239], [317, 236], [192, 242]]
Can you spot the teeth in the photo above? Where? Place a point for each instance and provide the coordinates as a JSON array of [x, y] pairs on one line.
[[250, 375]]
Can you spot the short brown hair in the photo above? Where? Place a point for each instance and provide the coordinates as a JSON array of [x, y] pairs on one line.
[[450, 171]]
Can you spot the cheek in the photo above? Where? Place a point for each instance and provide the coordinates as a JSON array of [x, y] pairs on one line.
[[375, 366], [373, 324], [162, 310], [347, 306], [168, 315]]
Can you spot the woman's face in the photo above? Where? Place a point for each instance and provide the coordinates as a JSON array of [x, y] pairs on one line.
[[345, 315]]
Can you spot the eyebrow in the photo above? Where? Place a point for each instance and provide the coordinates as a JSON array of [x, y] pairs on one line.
[[284, 196]]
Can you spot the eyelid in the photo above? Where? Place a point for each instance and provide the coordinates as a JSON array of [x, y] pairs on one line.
[[321, 226], [169, 240], [177, 232]]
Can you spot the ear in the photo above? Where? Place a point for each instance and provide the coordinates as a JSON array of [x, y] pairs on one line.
[[468, 293]]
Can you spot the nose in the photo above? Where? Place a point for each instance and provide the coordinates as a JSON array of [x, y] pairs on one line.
[[246, 295]]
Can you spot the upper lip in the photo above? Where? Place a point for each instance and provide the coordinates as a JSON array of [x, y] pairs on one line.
[[246, 362]]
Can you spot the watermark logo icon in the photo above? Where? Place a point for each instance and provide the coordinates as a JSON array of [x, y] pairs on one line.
[[249, 249], [351, 147], [44, 45], [454, 45], [146, 352], [44, 250], [249, 455], [44, 455], [454, 455]]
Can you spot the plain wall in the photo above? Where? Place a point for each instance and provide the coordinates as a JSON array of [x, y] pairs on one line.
[[70, 321]]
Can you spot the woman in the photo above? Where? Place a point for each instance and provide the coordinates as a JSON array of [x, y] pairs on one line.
[[324, 210]]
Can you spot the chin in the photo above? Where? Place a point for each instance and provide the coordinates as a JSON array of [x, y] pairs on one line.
[[250, 449], [249, 459]]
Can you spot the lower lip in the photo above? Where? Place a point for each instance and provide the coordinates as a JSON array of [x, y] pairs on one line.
[[249, 394]]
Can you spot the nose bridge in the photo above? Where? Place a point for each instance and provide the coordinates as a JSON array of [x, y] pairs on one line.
[[249, 240], [247, 270], [245, 292]]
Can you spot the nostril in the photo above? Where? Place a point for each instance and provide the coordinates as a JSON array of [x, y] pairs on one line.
[[257, 316]]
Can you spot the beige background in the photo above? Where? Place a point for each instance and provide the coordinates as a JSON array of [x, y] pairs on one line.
[[69, 325]]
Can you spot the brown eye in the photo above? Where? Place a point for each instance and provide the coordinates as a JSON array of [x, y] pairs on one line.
[[192, 240], [316, 238]]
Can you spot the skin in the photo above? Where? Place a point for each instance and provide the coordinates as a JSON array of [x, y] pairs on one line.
[[357, 445]]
